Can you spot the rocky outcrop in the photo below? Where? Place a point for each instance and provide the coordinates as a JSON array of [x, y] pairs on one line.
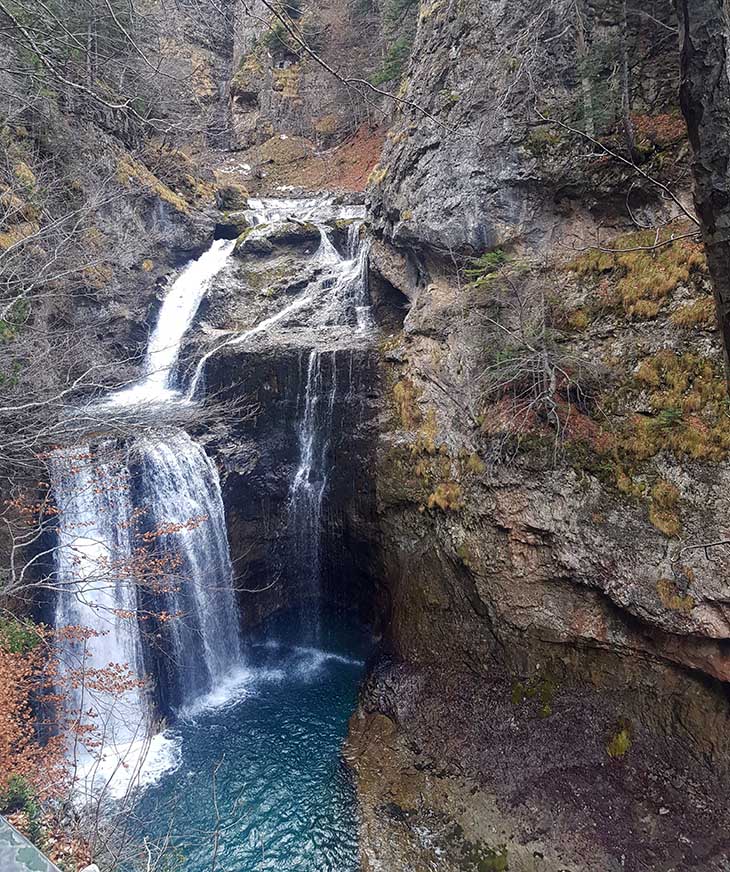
[[277, 278], [553, 457], [279, 88]]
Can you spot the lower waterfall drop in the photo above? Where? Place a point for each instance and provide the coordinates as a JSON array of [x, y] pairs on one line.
[[111, 606], [309, 486], [101, 661], [181, 484]]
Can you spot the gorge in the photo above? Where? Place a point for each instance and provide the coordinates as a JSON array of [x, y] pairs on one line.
[[365, 442]]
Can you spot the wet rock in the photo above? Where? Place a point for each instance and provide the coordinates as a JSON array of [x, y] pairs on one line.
[[297, 234], [253, 244], [478, 772], [231, 197], [233, 224]]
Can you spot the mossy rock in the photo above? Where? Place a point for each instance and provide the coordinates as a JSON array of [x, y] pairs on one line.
[[237, 220], [231, 197], [249, 244], [294, 233]]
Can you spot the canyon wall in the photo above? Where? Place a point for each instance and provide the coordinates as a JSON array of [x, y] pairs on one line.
[[553, 454]]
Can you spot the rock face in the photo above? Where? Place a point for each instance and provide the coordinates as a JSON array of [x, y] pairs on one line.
[[277, 88], [553, 457]]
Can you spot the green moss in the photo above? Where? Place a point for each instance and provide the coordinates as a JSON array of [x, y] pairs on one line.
[[620, 743], [701, 313], [18, 636], [483, 268], [130, 171], [541, 690], [482, 858], [671, 598], [475, 465], [397, 479], [542, 141], [467, 556]]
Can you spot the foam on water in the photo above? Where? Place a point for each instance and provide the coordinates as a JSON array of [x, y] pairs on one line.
[[123, 769]]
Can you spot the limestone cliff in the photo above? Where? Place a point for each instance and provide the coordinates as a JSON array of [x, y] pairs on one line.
[[554, 454]]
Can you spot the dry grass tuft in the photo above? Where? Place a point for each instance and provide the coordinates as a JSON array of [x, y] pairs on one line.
[[644, 278]]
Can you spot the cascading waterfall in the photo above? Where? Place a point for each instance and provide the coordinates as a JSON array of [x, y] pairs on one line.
[[183, 489], [163, 501], [176, 315], [348, 306], [93, 555], [102, 560], [309, 486]]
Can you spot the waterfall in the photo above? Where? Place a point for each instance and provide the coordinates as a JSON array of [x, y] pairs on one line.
[[142, 562], [181, 484], [309, 486], [347, 305], [176, 315], [93, 555], [160, 506]]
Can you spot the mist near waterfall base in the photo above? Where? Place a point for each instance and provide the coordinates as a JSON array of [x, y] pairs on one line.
[[285, 798]]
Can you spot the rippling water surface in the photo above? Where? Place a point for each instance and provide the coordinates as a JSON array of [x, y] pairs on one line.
[[273, 736]]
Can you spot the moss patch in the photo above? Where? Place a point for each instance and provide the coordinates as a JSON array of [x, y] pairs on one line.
[[672, 599], [644, 276], [664, 509], [700, 313], [405, 396], [448, 497], [130, 171], [620, 742]]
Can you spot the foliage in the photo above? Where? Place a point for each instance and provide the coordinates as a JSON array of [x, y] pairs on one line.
[[532, 384], [17, 795], [661, 131], [281, 44], [394, 63], [644, 275], [396, 10], [16, 317], [18, 636], [482, 268]]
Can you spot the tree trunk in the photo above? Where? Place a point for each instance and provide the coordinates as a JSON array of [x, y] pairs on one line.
[[704, 31]]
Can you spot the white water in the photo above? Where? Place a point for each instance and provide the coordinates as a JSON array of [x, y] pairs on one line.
[[309, 485], [175, 483], [178, 310], [185, 493], [337, 298], [103, 561]]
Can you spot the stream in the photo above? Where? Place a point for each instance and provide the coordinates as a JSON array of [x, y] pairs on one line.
[[248, 774]]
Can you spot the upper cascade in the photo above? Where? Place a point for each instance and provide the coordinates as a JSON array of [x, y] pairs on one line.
[[156, 502]]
